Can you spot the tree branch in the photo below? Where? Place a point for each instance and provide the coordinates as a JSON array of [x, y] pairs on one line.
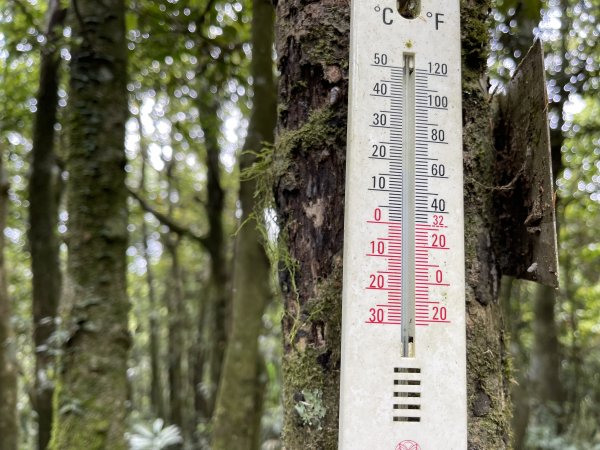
[[175, 227]]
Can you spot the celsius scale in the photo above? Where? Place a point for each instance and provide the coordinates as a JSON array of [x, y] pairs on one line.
[[403, 375]]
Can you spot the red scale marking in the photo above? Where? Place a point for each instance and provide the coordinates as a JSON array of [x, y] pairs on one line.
[[423, 273]]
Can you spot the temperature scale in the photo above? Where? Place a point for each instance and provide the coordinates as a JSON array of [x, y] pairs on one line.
[[403, 341]]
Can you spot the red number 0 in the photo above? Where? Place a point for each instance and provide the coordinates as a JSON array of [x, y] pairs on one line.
[[377, 214]]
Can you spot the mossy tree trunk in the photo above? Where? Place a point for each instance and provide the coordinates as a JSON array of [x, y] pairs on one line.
[[92, 389], [43, 222], [309, 163], [9, 425], [487, 352], [312, 42], [240, 390]]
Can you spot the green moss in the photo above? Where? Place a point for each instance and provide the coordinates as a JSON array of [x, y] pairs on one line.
[[326, 308], [324, 39], [314, 368], [475, 29], [299, 86], [317, 129], [304, 375], [273, 165], [273, 162]]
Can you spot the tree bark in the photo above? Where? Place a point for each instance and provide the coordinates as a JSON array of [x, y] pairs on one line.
[[156, 388], [43, 222], [198, 357], [176, 312], [92, 388], [487, 354], [312, 44], [9, 426], [545, 358], [218, 288], [240, 389], [174, 299], [511, 298]]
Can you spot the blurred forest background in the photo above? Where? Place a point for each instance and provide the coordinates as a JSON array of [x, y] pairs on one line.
[[201, 102]]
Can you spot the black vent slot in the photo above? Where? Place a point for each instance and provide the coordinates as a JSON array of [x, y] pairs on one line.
[[408, 382], [407, 394], [407, 370]]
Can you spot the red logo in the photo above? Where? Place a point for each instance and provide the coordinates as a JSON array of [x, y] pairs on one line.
[[408, 445]]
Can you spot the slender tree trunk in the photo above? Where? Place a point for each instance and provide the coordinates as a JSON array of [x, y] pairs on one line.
[[156, 389], [175, 307], [576, 358], [92, 389], [198, 357], [9, 426], [240, 390], [43, 221], [218, 286], [312, 44], [511, 299], [176, 312], [546, 354]]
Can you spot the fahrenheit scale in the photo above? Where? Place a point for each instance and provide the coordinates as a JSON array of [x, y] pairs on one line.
[[403, 332]]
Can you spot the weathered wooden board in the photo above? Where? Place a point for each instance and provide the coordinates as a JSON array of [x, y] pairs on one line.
[[524, 191]]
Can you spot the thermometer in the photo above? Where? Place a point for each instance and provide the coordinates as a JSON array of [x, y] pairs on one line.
[[403, 374]]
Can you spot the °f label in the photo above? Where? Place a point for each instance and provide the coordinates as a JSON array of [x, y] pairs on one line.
[[403, 331]]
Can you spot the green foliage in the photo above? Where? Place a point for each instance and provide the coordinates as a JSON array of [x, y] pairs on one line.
[[527, 9], [582, 436], [579, 315]]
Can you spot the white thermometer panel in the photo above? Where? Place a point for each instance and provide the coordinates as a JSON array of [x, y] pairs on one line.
[[403, 329]]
